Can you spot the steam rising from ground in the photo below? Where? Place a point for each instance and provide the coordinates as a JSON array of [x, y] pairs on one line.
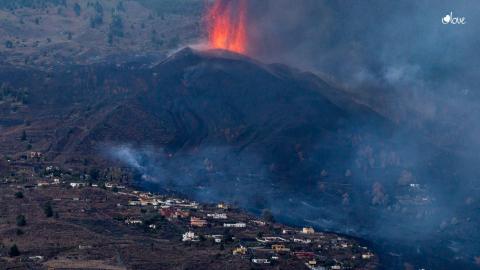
[[208, 174]]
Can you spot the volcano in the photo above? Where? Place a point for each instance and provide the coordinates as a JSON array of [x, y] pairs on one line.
[[320, 157], [192, 98]]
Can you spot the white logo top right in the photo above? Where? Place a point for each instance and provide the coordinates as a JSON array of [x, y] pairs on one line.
[[450, 19]]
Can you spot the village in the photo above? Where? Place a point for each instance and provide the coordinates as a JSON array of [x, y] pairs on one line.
[[254, 242]]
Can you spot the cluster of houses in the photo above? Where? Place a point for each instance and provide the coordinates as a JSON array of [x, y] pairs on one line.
[[305, 244]]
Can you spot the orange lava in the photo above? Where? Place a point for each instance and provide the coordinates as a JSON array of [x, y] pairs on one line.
[[227, 29]]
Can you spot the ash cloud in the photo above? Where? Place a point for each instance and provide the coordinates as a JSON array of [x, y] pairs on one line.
[[396, 56]]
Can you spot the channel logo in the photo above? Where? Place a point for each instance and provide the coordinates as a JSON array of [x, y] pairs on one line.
[[450, 19]]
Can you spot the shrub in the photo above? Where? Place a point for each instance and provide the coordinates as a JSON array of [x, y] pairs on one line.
[[21, 220], [13, 252], [48, 210]]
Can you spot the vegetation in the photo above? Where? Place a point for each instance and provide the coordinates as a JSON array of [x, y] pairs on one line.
[[19, 195], [48, 210], [97, 19], [14, 251], [268, 216], [116, 28], [179, 7], [21, 221], [94, 174], [8, 44], [14, 95]]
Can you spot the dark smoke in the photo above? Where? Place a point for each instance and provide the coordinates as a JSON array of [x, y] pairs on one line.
[[395, 55]]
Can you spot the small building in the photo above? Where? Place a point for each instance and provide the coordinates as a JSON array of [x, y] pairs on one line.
[[308, 230], [261, 261], [367, 256], [258, 222], [109, 185], [223, 206], [235, 225], [302, 241], [148, 201], [77, 184], [198, 222], [35, 154], [272, 239], [42, 184], [304, 255], [133, 203], [280, 248], [190, 237], [182, 214], [217, 215], [82, 247], [36, 258]]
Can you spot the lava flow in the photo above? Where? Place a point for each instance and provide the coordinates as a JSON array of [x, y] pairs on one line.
[[227, 25]]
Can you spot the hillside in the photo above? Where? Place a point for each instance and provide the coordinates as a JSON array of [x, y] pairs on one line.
[[44, 33]]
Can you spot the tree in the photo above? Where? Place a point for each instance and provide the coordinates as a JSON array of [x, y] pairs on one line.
[[8, 44], [19, 195], [48, 210], [78, 9], [14, 252], [99, 8], [268, 216], [21, 221], [24, 136], [116, 26], [120, 6], [94, 174]]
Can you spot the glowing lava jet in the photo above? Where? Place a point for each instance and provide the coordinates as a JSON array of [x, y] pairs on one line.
[[227, 25]]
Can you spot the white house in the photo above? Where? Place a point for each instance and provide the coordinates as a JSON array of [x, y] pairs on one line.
[[217, 215], [77, 185], [235, 225], [133, 221], [261, 261], [189, 237]]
